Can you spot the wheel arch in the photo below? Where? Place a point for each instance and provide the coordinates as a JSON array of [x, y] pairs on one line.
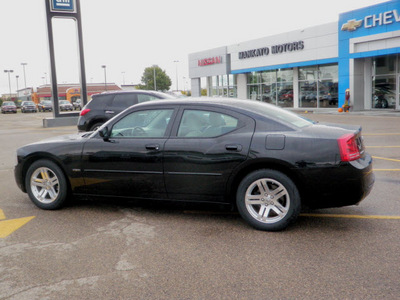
[[96, 120], [259, 164], [45, 156]]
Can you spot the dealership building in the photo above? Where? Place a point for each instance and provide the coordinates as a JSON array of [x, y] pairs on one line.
[[312, 67]]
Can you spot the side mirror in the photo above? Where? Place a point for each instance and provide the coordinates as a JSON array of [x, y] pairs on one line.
[[104, 133]]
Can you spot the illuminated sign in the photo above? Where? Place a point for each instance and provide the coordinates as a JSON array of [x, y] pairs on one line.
[[63, 6], [385, 18], [209, 61]]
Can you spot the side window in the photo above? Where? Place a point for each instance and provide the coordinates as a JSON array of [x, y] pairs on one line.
[[198, 123], [124, 100], [146, 123], [143, 98]]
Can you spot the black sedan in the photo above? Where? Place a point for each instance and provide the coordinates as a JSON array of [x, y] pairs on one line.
[[266, 160]]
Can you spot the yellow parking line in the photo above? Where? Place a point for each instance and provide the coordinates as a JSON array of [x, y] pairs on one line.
[[383, 158], [370, 134], [386, 170], [383, 146], [350, 216]]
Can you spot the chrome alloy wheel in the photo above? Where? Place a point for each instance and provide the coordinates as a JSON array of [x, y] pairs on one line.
[[267, 200], [44, 185]]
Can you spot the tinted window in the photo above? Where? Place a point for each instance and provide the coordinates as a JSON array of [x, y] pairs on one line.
[[199, 123], [124, 100], [147, 123], [144, 98]]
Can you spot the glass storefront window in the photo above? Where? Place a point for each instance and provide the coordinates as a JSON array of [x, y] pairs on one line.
[[308, 94], [384, 81], [275, 86], [318, 86], [384, 91], [223, 86]]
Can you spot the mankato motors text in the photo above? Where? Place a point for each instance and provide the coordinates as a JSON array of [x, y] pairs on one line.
[[264, 51]]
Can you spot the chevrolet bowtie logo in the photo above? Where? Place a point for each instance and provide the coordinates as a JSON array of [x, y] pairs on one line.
[[351, 25]]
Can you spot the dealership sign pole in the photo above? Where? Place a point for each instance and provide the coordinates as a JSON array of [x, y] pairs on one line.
[[66, 9]]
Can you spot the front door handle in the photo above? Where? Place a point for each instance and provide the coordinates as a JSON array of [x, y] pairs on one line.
[[233, 147], [153, 147]]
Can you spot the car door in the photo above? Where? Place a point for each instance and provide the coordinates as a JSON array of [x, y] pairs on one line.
[[119, 103], [205, 147], [129, 163]]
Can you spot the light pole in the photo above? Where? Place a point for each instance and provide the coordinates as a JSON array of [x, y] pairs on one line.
[[23, 66], [17, 76], [176, 61], [123, 78], [155, 82], [9, 80], [105, 76], [45, 77]]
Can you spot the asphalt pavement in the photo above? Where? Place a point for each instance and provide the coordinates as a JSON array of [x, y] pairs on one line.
[[133, 250]]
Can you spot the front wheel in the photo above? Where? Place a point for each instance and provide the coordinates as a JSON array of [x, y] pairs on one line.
[[268, 200], [46, 185]]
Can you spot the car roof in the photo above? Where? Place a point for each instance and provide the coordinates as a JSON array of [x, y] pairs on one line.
[[248, 105], [131, 92]]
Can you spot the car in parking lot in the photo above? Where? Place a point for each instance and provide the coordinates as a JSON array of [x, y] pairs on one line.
[[45, 105], [28, 106], [65, 105], [8, 107], [77, 104], [106, 105], [267, 161]]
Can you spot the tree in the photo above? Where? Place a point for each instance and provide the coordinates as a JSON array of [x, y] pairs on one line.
[[163, 82]]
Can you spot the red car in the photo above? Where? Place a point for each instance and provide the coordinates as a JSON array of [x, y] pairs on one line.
[[8, 107]]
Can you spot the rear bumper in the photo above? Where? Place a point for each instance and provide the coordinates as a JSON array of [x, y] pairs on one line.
[[342, 185]]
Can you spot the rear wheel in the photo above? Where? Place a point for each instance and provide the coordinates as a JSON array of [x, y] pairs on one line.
[[268, 200], [95, 126], [46, 185]]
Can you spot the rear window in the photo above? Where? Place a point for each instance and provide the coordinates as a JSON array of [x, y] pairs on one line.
[[280, 114]]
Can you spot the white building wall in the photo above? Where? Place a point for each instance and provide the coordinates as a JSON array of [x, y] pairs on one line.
[[320, 42]]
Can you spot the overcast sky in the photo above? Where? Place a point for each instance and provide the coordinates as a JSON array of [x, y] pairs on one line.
[[128, 36]]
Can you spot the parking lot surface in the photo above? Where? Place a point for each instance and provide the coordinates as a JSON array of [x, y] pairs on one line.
[[133, 250]]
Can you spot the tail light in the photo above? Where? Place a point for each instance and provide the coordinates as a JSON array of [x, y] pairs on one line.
[[348, 147], [84, 112]]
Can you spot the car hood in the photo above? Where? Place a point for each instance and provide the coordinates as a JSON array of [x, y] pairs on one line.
[[76, 137]]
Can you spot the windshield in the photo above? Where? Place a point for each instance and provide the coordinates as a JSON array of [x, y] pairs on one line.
[[29, 103], [46, 102], [64, 102], [8, 104]]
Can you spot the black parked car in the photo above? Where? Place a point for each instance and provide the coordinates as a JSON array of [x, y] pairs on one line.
[[266, 160], [106, 105], [45, 105], [28, 106]]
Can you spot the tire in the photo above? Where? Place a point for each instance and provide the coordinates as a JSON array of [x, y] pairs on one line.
[[46, 185], [264, 210], [95, 126]]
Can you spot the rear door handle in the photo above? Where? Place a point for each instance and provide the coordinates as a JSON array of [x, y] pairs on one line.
[[233, 147], [153, 147]]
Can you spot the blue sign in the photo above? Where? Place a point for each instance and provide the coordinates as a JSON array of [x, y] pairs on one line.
[[63, 5]]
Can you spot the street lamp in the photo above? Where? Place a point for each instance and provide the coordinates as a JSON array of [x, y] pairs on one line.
[[23, 66], [176, 61], [123, 78], [17, 76], [154, 74], [9, 80], [105, 76]]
